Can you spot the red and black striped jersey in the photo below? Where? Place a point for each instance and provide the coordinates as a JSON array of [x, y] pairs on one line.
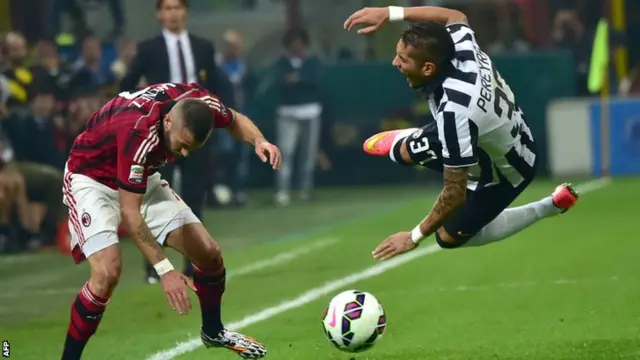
[[124, 141]]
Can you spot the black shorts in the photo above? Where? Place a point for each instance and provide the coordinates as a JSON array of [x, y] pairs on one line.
[[480, 208]]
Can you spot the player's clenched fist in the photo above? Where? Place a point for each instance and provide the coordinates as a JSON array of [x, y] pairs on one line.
[[266, 151], [371, 17], [175, 286]]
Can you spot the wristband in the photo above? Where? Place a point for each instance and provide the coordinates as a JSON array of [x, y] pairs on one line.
[[163, 267], [416, 235], [396, 13]]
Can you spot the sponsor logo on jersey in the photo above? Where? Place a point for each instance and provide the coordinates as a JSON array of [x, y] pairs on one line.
[[136, 175]]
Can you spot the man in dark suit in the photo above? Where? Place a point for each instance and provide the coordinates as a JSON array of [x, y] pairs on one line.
[[179, 57]]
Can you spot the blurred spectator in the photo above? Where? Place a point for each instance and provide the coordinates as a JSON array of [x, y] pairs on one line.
[[346, 55], [51, 69], [126, 53], [300, 108], [5, 94], [570, 32], [44, 208], [117, 14], [70, 7], [116, 11], [3, 60], [630, 86], [33, 133], [509, 41], [19, 76], [34, 191], [28, 18], [87, 100], [91, 63], [12, 197], [232, 167]]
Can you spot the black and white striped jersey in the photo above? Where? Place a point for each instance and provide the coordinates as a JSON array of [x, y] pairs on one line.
[[479, 122]]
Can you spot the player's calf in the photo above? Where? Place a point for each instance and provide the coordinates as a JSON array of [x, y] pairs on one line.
[[512, 220], [209, 278], [91, 302]]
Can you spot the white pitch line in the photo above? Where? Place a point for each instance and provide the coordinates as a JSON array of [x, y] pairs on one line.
[[315, 293], [303, 299], [593, 185], [242, 271], [284, 257]]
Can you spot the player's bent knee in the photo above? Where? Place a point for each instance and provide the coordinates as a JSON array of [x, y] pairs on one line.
[[106, 267], [447, 241], [210, 259]]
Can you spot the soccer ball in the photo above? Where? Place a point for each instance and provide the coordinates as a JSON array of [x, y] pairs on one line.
[[354, 321]]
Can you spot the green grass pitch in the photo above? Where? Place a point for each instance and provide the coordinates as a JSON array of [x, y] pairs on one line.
[[566, 288]]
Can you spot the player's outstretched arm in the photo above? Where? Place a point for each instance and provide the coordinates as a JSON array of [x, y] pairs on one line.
[[374, 18], [246, 130], [434, 13], [453, 194], [173, 283]]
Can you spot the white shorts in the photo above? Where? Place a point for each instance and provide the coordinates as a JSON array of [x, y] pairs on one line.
[[94, 212]]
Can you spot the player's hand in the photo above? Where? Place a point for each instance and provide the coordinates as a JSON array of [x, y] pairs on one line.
[[372, 18], [266, 151], [395, 244], [175, 286]]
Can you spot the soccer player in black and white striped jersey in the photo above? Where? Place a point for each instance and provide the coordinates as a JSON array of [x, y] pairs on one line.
[[480, 140]]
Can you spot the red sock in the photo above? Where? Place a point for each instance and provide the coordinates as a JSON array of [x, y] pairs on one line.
[[86, 313], [210, 290]]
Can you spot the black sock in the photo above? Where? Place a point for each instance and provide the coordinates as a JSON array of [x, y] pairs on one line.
[[210, 290], [86, 313]]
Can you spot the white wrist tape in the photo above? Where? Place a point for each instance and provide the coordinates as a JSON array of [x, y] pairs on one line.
[[416, 235], [396, 13], [163, 267]]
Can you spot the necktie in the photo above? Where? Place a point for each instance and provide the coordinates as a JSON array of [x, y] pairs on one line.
[[183, 66]]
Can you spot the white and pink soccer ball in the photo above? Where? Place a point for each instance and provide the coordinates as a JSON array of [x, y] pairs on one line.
[[354, 321]]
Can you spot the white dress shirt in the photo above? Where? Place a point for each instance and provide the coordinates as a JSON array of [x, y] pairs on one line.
[[171, 40]]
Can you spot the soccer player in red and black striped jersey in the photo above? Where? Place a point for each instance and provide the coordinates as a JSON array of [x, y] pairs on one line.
[[111, 176]]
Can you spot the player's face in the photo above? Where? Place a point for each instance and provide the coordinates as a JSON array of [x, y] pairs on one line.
[[178, 139], [416, 70], [172, 15]]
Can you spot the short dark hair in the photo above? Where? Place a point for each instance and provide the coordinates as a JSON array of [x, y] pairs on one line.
[[431, 40], [197, 118], [160, 3], [295, 34]]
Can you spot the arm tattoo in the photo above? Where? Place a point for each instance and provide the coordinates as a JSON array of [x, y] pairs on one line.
[[453, 195], [148, 244]]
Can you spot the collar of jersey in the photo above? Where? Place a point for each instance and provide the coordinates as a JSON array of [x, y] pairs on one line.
[[432, 85], [164, 110]]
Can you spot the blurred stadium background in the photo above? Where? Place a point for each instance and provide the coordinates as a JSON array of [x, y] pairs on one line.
[[61, 59]]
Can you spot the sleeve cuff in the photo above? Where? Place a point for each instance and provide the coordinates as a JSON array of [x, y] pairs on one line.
[[129, 188], [460, 162]]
